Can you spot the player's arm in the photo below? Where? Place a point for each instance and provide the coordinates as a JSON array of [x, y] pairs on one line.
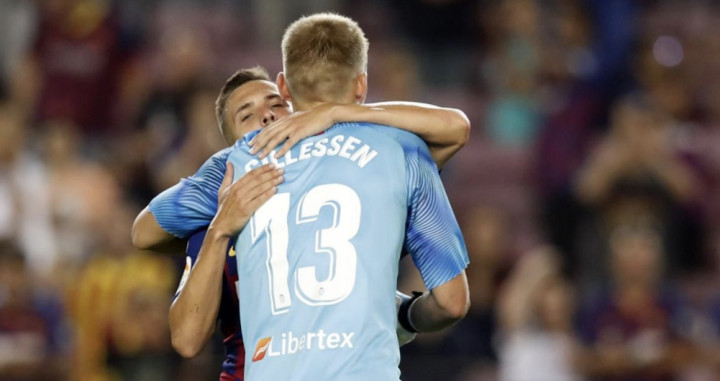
[[438, 308], [445, 130], [147, 234], [193, 314], [180, 210], [434, 241]]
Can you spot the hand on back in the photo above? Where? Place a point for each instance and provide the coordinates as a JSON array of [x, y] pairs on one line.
[[239, 200]]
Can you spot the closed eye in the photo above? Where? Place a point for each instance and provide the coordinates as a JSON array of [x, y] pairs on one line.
[[246, 117], [278, 105]]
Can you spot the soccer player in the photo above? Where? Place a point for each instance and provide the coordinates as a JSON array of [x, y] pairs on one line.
[[319, 259], [444, 129]]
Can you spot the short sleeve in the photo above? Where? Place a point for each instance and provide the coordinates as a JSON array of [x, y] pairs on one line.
[[433, 236], [191, 204]]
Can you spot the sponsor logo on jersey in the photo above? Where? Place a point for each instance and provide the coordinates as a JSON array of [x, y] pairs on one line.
[[289, 344], [262, 348]]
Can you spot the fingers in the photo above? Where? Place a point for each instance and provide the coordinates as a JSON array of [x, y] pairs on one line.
[[258, 142], [260, 198], [291, 136], [264, 140], [289, 144], [263, 183], [257, 176], [273, 140], [245, 196]]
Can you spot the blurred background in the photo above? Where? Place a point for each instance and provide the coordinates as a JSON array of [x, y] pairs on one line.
[[588, 194]]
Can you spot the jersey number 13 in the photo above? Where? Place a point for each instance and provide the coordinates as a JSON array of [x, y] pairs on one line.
[[272, 218]]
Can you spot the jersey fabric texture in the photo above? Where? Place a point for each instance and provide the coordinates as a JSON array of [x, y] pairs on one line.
[[318, 262], [191, 204], [228, 313]]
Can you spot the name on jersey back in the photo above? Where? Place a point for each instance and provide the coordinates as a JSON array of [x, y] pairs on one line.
[[350, 148]]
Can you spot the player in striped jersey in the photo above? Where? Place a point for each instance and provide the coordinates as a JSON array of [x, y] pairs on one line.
[[444, 129]]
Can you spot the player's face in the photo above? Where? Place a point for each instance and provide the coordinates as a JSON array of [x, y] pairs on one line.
[[253, 106]]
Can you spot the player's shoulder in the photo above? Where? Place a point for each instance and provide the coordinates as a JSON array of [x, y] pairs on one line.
[[405, 139], [217, 160], [222, 155], [213, 169], [241, 148]]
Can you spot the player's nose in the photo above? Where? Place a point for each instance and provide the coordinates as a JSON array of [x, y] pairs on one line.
[[268, 118]]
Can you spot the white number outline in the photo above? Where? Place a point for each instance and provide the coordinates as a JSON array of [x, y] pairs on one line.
[[335, 241], [268, 219]]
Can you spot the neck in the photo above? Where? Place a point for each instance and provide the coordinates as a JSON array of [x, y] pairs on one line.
[[304, 106], [300, 105]]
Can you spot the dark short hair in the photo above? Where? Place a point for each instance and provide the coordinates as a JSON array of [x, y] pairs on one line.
[[239, 78]]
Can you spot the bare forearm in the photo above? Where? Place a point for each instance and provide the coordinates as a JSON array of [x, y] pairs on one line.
[[442, 306], [148, 235], [437, 125], [428, 316], [445, 130], [194, 312]]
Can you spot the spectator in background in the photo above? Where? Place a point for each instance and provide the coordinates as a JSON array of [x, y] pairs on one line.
[[512, 72], [535, 313], [200, 142], [119, 310], [634, 176], [181, 62], [31, 342], [83, 194], [165, 113], [705, 327], [688, 92], [580, 106], [17, 24], [634, 330], [80, 58], [441, 34], [488, 245], [396, 70], [24, 196]]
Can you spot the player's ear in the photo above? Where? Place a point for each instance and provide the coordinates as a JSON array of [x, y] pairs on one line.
[[283, 87], [361, 87]]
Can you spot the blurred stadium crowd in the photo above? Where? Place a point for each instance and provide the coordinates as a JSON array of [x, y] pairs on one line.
[[588, 194]]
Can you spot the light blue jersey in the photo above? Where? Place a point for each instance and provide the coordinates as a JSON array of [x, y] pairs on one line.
[[318, 262], [191, 204]]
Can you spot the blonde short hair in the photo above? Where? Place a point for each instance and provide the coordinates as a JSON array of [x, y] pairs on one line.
[[322, 55]]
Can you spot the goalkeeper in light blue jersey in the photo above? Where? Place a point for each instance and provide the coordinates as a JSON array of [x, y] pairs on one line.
[[318, 275], [319, 259]]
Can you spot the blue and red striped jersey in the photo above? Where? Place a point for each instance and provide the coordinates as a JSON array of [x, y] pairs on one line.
[[228, 313]]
